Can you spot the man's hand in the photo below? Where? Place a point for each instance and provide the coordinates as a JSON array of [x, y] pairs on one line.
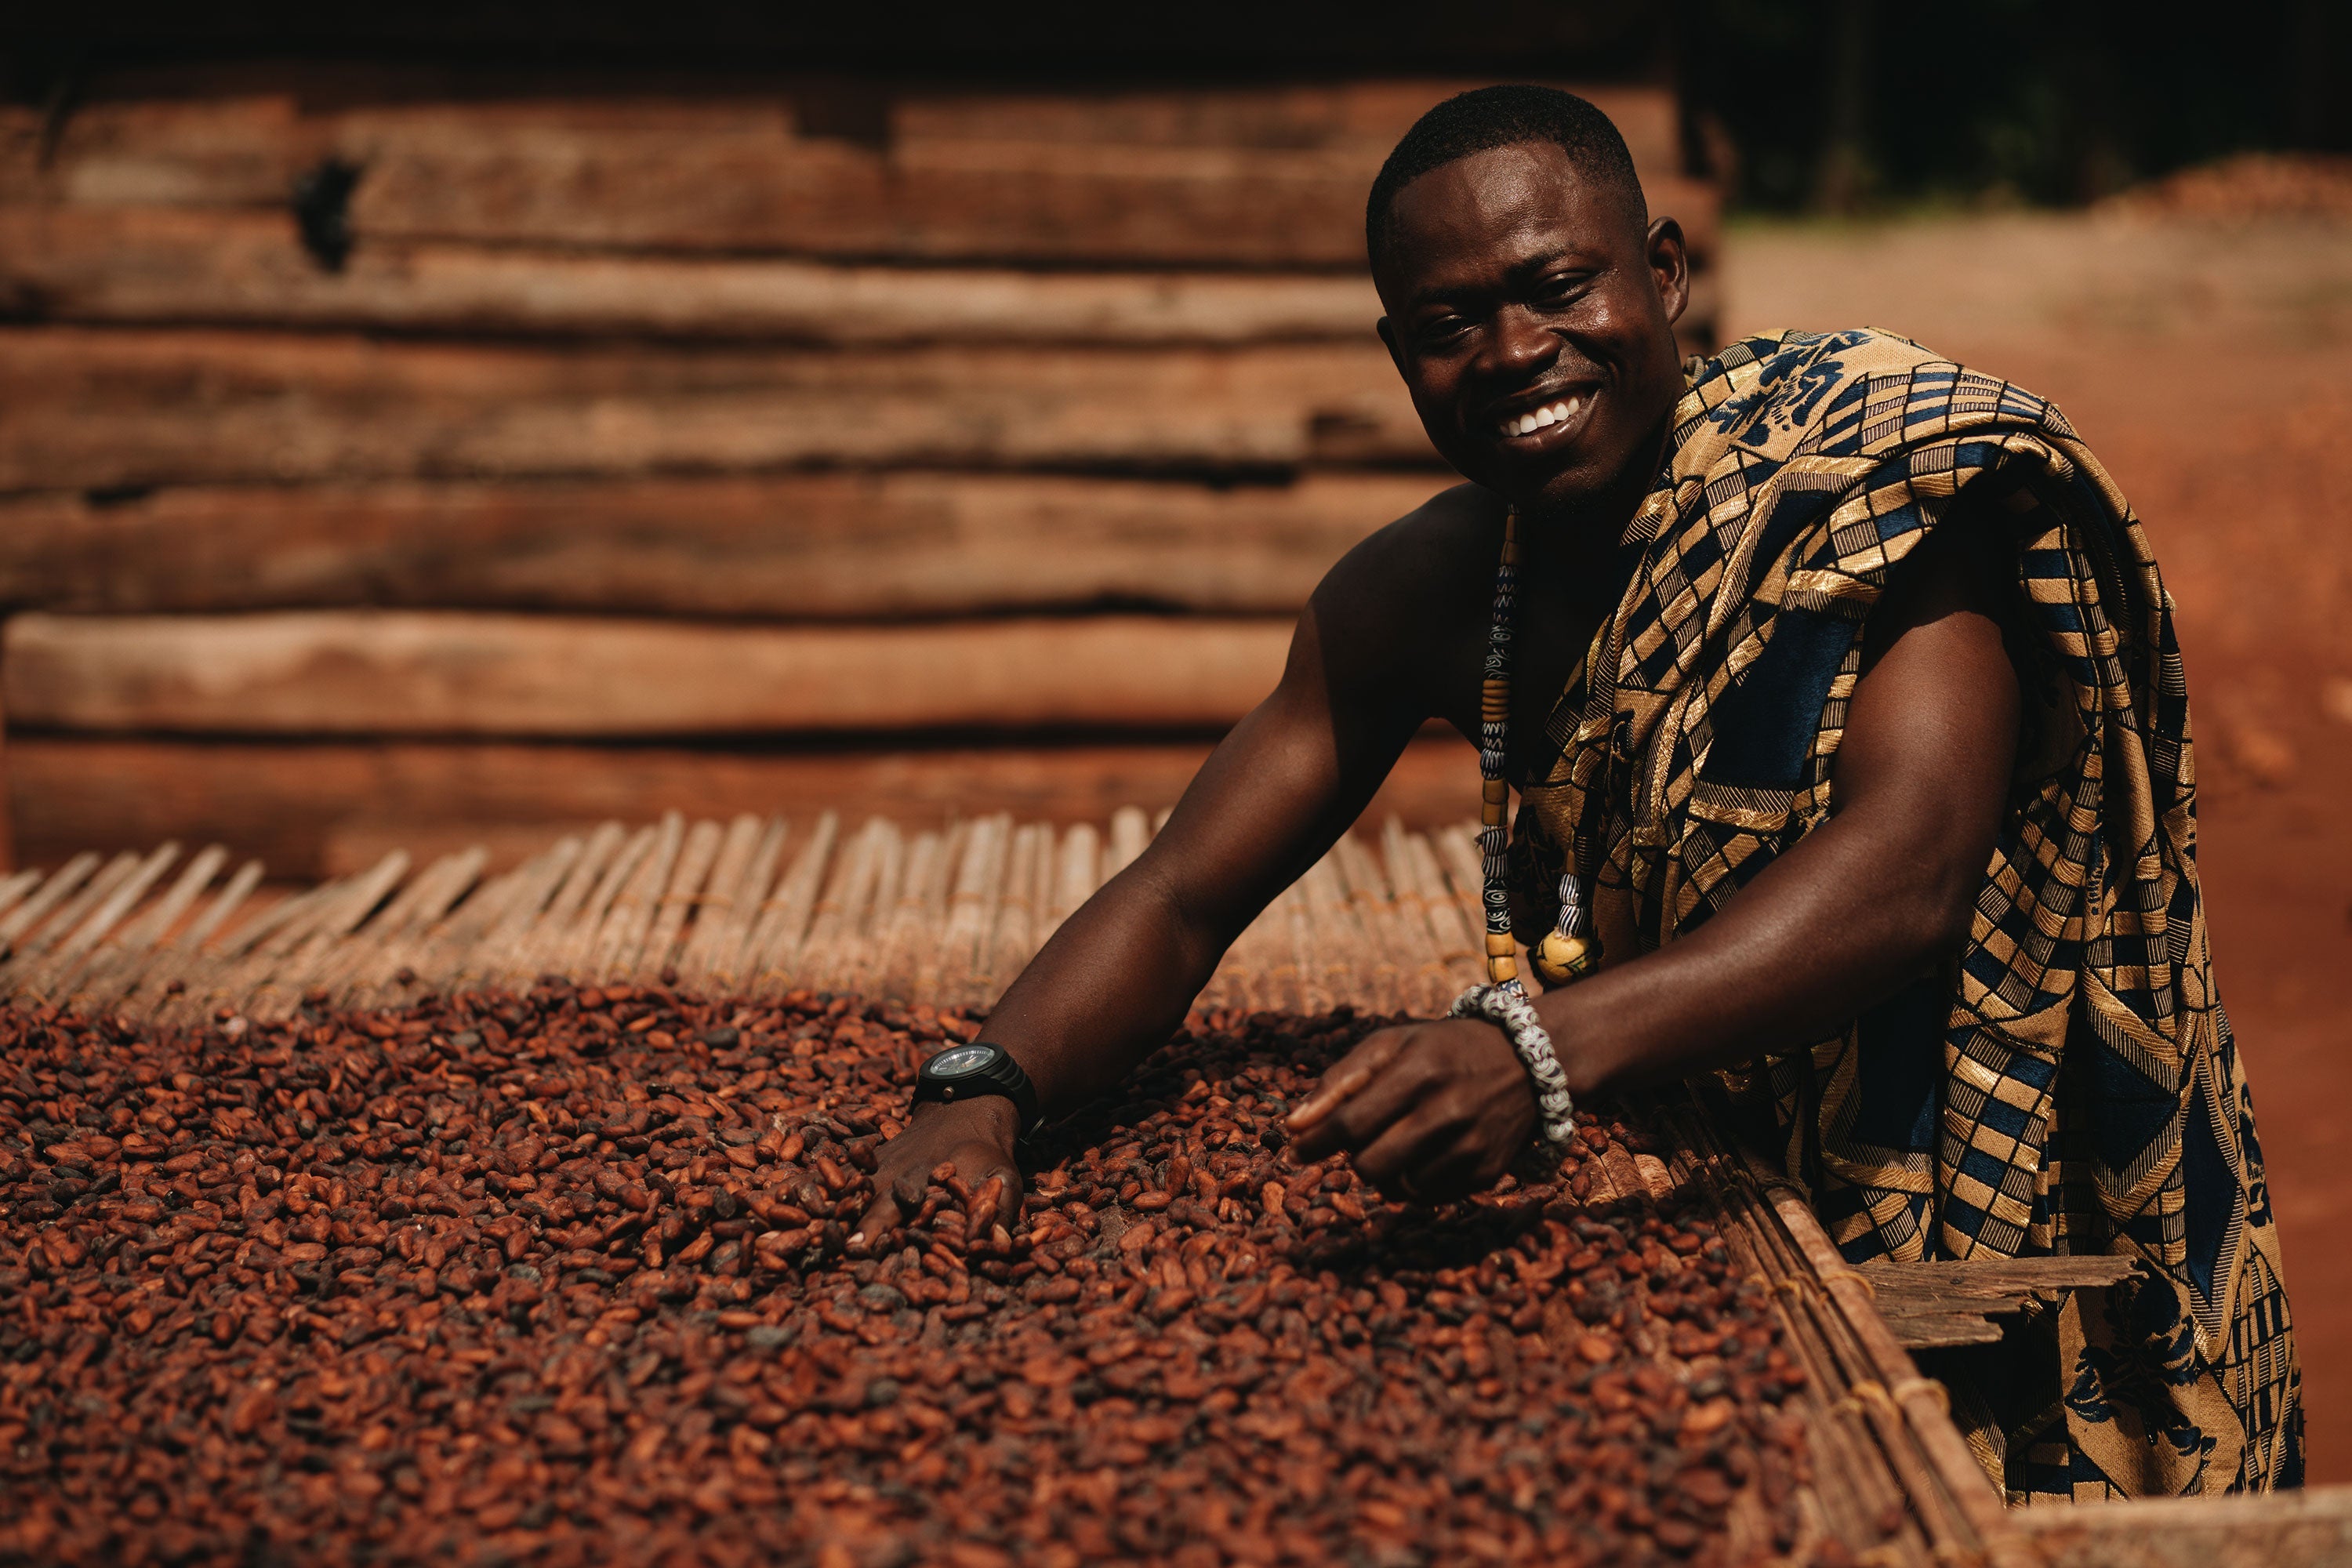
[[975, 1136], [1429, 1111]]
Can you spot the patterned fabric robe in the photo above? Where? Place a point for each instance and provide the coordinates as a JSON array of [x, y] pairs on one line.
[[2069, 1084]]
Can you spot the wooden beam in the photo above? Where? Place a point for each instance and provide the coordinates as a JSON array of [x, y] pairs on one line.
[[217, 265], [313, 809], [2311, 1527], [92, 408], [1240, 177], [794, 546], [412, 672]]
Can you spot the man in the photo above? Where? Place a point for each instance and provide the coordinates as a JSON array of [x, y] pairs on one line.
[[1844, 688]]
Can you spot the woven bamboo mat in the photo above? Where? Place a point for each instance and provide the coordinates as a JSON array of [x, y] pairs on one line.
[[1387, 921]]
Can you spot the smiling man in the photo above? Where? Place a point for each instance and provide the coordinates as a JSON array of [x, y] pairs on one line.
[[1840, 695]]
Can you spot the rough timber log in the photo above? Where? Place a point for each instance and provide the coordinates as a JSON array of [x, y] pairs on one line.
[[416, 672], [315, 808], [786, 545], [242, 264], [1265, 179], [93, 408]]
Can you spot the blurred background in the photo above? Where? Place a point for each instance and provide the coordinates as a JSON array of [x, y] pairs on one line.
[[432, 424]]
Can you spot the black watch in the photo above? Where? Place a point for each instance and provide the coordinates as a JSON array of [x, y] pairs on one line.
[[968, 1072]]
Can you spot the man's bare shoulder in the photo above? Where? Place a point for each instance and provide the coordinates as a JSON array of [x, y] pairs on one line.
[[1429, 564]]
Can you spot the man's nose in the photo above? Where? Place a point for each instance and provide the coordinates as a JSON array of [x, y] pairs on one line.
[[1520, 344]]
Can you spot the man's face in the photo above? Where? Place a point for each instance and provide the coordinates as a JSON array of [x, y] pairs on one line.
[[1533, 322]]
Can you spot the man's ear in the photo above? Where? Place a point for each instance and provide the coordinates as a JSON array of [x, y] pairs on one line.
[[1387, 329], [1669, 257]]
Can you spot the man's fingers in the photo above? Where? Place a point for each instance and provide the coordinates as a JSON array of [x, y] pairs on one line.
[[1367, 1114], [1412, 1146], [879, 1215], [1345, 1081]]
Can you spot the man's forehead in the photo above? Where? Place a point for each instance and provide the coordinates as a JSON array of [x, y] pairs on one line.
[[1495, 213]]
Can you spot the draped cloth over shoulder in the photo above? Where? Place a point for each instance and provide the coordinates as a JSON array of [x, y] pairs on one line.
[[2069, 1084]]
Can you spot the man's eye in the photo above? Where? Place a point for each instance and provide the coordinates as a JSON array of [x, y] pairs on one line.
[[1445, 329]]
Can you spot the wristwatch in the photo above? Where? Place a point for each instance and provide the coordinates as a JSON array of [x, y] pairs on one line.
[[969, 1072]]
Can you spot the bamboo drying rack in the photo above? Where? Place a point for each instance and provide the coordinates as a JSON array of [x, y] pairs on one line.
[[943, 915], [1388, 923]]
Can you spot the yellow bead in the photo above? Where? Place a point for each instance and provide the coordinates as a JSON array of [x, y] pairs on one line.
[[1502, 969], [1499, 944], [1495, 792], [1558, 959]]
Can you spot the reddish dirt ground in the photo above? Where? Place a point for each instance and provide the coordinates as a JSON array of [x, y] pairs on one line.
[[2204, 364]]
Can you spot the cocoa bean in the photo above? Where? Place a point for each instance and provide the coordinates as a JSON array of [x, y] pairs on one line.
[[561, 1278]]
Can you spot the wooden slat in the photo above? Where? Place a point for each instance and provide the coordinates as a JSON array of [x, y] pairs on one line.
[[170, 265], [2308, 1529], [421, 673], [92, 407], [1169, 178], [789, 545], [312, 808]]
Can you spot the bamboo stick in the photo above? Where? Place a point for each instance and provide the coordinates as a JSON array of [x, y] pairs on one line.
[[784, 916], [40, 976], [407, 945], [1130, 834], [694, 860], [731, 938], [527, 943], [715, 910], [58, 916], [971, 911], [14, 888], [630, 916], [483, 940], [855, 953], [409, 903], [1387, 959], [276, 989], [914, 915], [32, 909], [1078, 873], [571, 949], [839, 907], [1013, 943], [115, 968]]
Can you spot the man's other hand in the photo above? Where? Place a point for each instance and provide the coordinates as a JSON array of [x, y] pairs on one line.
[[975, 1136], [1429, 1111]]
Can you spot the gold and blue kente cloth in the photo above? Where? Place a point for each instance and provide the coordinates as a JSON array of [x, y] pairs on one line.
[[2068, 1084]]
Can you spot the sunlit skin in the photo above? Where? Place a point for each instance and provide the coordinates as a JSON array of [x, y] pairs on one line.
[[1511, 282]]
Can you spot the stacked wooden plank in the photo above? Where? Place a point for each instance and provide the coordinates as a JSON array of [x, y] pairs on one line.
[[372, 423], [384, 445]]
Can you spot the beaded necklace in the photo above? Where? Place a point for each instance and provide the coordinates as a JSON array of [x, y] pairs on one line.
[[1569, 951]]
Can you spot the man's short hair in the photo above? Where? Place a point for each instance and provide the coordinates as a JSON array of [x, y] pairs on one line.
[[1490, 117]]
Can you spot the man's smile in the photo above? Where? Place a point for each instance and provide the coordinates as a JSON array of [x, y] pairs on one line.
[[1540, 426]]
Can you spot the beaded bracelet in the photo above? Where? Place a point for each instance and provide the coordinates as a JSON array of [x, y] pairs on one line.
[[1507, 1006]]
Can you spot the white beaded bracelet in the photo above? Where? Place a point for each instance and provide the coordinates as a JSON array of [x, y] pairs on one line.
[[1507, 1007]]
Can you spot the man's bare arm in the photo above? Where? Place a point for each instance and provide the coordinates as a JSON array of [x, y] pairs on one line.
[[1870, 899], [1115, 980]]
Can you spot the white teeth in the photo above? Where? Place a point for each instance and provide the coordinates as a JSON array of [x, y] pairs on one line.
[[1542, 418]]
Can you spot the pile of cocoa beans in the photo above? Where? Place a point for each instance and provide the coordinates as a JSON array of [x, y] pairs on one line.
[[565, 1277]]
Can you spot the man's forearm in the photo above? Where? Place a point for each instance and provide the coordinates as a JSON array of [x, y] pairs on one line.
[[1839, 923], [1109, 989]]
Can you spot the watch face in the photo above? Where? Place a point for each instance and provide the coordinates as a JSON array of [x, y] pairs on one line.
[[957, 1061]]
